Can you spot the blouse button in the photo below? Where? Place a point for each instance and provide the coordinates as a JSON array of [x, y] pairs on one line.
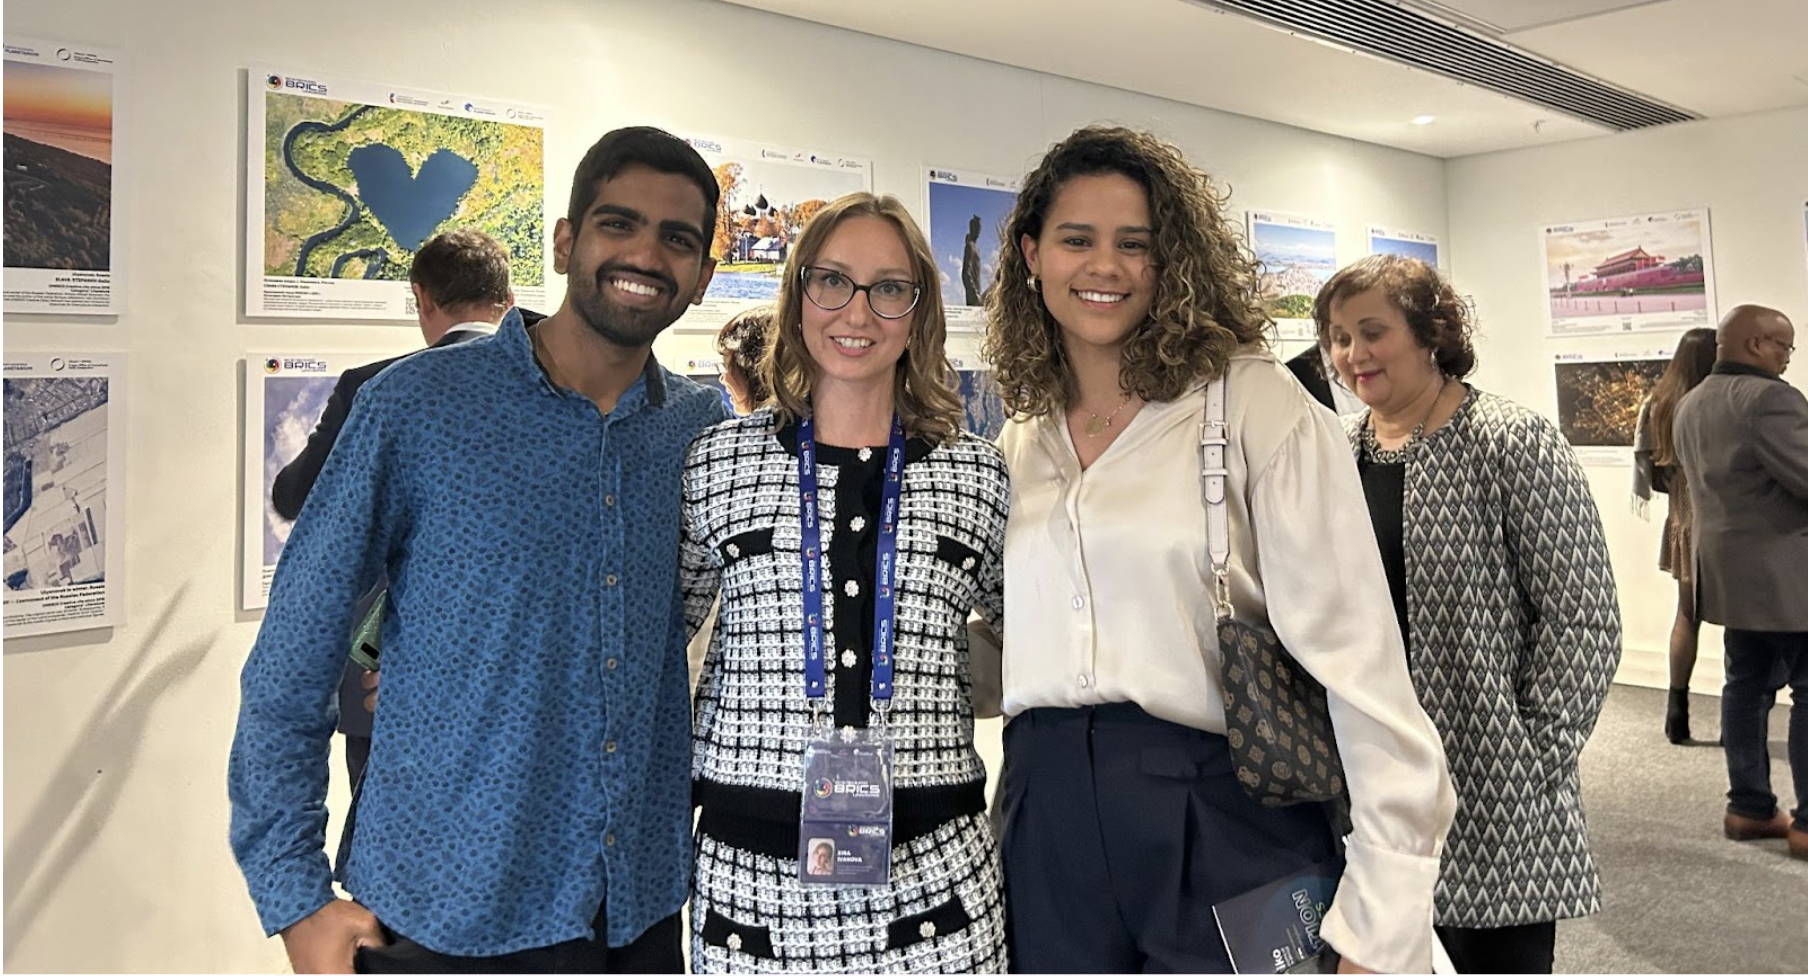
[[1083, 681], [1079, 602]]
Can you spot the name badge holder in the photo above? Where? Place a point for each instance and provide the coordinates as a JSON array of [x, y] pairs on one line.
[[845, 825]]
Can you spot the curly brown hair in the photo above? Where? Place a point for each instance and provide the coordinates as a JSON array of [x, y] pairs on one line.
[[924, 392], [742, 345], [1206, 302], [1441, 320]]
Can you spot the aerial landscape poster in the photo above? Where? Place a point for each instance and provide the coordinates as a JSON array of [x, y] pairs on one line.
[[1650, 271], [345, 180], [64, 447], [768, 195], [1598, 400], [967, 212], [285, 394], [59, 178], [1298, 255], [1405, 243]]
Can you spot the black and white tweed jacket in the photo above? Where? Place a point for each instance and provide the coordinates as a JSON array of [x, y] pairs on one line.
[[1515, 635], [741, 532]]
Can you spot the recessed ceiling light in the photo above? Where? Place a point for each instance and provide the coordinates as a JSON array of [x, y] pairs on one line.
[[1424, 119]]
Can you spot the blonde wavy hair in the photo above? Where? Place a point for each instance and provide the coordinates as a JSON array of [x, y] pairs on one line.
[[924, 390], [1206, 301]]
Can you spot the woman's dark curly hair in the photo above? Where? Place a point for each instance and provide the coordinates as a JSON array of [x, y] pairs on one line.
[[1441, 320], [1206, 303]]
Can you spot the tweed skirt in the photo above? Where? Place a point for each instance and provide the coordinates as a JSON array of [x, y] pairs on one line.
[[943, 911]]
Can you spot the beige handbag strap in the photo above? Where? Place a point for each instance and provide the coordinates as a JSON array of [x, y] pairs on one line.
[[1214, 438]]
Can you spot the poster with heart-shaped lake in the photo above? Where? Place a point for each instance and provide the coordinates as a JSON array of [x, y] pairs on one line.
[[345, 181]]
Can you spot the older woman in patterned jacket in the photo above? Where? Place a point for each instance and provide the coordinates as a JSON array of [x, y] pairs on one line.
[[1500, 578]]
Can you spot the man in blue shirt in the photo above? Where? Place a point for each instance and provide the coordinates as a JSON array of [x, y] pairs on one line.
[[526, 805]]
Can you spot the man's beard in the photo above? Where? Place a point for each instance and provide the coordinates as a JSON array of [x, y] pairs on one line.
[[630, 328]]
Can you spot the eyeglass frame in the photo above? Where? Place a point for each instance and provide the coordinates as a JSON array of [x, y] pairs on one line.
[[1789, 346], [916, 292]]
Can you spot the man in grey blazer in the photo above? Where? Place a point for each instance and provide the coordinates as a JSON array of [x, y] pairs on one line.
[[1742, 438]]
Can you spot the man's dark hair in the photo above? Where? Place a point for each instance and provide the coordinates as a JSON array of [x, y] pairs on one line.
[[642, 145], [462, 267]]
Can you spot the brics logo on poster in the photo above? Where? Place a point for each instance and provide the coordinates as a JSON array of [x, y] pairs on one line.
[[295, 364], [825, 788], [278, 83]]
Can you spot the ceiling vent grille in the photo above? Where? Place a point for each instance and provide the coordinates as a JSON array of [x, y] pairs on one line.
[[1396, 33]]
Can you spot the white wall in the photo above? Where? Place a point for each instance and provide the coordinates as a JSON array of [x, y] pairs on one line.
[[116, 741], [1751, 172]]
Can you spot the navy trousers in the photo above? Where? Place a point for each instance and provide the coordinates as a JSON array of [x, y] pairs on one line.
[[1757, 664], [1121, 831], [658, 950]]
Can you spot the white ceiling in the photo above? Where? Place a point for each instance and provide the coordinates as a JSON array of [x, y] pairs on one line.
[[1710, 57]]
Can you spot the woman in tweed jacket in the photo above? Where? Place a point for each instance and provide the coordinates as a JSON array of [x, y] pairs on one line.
[[1501, 582], [857, 339]]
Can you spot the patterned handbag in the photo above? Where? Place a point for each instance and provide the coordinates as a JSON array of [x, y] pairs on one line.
[[1275, 714]]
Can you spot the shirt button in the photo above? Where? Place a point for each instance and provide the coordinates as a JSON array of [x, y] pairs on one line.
[[1079, 602], [611, 664], [609, 746], [609, 579], [609, 500], [609, 840], [1084, 681]]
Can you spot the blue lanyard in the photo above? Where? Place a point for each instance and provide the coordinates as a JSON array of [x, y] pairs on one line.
[[885, 601]]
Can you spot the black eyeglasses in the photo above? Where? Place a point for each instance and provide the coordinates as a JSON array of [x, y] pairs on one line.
[[830, 290]]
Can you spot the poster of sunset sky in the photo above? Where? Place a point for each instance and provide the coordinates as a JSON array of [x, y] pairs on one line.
[[59, 178]]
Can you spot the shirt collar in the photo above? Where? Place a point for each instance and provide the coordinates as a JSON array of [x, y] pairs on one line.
[[1741, 369], [486, 328], [512, 335]]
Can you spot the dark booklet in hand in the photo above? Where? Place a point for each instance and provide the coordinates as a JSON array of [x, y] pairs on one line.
[[1274, 929]]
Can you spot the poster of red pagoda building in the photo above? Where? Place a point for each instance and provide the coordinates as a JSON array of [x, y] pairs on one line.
[[1625, 274]]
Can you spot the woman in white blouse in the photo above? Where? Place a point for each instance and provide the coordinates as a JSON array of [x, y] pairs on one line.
[[1122, 292]]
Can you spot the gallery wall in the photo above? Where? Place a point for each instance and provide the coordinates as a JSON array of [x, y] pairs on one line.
[[1749, 173], [116, 740]]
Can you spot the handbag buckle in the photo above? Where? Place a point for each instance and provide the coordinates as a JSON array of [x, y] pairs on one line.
[[1221, 593]]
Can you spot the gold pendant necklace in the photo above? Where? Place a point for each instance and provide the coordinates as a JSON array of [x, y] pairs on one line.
[[1095, 424]]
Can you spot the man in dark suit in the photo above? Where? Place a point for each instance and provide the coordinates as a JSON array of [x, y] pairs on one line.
[[461, 291], [1742, 438]]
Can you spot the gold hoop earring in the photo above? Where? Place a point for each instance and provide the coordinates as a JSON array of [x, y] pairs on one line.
[[1035, 285]]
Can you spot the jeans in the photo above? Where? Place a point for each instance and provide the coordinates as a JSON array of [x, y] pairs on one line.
[[1757, 664]]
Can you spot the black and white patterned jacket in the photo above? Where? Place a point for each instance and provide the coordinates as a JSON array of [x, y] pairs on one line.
[[741, 533], [1514, 637]]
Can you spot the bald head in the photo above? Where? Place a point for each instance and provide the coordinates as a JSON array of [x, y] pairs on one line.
[[1753, 335]]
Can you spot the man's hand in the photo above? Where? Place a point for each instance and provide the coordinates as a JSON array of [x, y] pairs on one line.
[[328, 940], [371, 680]]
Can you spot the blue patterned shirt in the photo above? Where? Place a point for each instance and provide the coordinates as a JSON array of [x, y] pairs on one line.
[[531, 758]]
